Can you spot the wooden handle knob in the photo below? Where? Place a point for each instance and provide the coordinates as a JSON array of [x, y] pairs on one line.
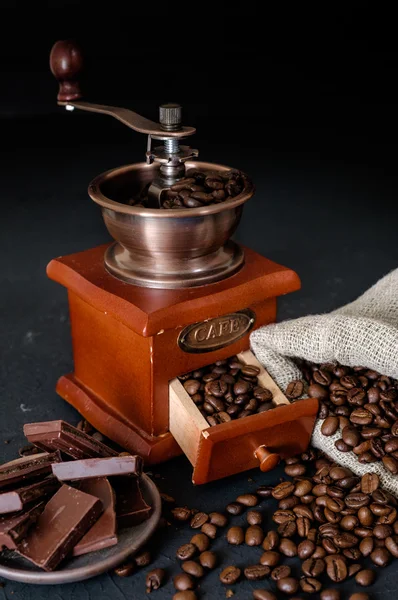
[[268, 460], [66, 64]]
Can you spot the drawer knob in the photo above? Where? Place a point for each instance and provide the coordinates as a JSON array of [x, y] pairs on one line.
[[268, 460]]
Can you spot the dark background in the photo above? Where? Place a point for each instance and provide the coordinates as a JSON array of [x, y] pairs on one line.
[[303, 99]]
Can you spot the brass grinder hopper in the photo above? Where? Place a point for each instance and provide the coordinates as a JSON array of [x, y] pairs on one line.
[[156, 248]]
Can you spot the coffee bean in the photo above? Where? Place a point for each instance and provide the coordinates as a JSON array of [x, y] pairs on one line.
[[154, 579], [287, 585], [361, 416], [342, 446], [186, 595], [192, 386], [208, 559], [310, 585], [256, 572], [254, 517], [234, 508], [322, 377], [366, 546], [230, 575], [263, 595], [198, 520], [183, 581], [330, 426], [270, 558], [295, 470], [283, 516], [282, 490], [369, 483], [218, 519], [303, 487], [359, 596], [186, 551], [288, 547], [280, 572], [201, 541], [247, 499], [271, 541], [193, 568], [254, 535], [295, 389], [305, 549], [330, 594], [235, 536], [265, 491], [336, 568], [181, 513], [357, 500], [313, 567], [125, 570], [287, 529], [391, 464], [262, 394], [319, 552], [210, 530], [365, 516], [380, 557], [365, 577], [352, 553], [288, 503], [143, 558]]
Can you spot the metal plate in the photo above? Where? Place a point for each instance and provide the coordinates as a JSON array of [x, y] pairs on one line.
[[16, 568]]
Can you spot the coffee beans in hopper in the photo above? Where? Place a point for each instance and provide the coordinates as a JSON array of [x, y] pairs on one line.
[[227, 390], [362, 405], [202, 188]]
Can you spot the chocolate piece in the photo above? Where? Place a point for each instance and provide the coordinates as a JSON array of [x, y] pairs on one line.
[[131, 508], [20, 470], [17, 499], [13, 528], [103, 533], [66, 518], [58, 435], [98, 467]]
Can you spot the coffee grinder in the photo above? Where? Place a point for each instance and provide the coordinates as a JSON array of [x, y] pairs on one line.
[[172, 294]]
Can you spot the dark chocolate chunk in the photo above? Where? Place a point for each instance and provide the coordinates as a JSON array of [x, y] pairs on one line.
[[58, 435], [13, 528], [103, 533], [16, 472], [131, 508], [65, 519], [15, 500], [98, 467]]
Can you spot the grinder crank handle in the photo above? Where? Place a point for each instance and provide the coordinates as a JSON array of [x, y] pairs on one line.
[[66, 63], [267, 459]]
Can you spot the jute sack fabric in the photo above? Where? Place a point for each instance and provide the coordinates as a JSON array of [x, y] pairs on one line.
[[364, 332]]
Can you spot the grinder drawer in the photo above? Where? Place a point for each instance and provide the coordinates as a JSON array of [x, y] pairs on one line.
[[236, 446]]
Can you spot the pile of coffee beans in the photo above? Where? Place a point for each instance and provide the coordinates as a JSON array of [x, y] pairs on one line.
[[202, 188], [196, 189], [226, 390], [338, 525], [363, 405]]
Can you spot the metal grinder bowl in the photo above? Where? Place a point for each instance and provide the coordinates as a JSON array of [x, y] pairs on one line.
[[175, 248]]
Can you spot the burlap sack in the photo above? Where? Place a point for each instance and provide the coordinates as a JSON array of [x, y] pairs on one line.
[[364, 333]]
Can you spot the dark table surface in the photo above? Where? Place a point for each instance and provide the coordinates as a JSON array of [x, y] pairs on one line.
[[325, 206]]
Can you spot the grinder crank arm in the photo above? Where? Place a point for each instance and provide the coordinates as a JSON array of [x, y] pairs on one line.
[[130, 119]]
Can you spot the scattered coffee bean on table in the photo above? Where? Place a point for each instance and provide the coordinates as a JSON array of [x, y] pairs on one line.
[[155, 579], [230, 575], [227, 390]]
